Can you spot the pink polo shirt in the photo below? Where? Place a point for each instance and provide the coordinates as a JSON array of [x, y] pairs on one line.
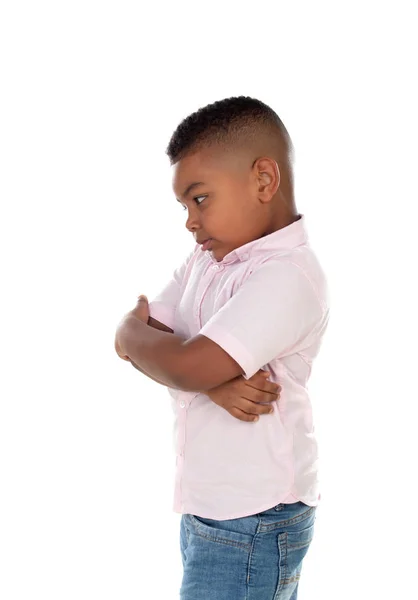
[[266, 305]]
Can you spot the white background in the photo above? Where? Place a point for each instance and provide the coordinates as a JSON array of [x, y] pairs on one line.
[[90, 95]]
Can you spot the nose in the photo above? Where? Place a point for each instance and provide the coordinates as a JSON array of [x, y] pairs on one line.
[[193, 221]]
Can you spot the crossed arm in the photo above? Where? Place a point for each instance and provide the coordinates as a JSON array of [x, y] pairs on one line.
[[197, 364], [157, 325], [293, 310]]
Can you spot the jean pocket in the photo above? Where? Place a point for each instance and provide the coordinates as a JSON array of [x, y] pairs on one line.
[[211, 529], [298, 539]]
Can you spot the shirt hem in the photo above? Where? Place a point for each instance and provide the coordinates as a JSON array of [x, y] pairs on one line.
[[263, 507]]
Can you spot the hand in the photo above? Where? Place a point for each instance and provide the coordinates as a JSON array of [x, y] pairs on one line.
[[141, 312], [242, 397]]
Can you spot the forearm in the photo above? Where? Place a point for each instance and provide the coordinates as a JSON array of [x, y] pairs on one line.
[[161, 327], [147, 374], [155, 353], [164, 370], [207, 392]]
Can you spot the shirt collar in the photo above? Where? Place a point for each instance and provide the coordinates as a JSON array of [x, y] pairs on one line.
[[285, 238]]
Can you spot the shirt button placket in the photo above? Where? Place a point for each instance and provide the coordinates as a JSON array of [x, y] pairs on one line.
[[182, 428], [180, 449]]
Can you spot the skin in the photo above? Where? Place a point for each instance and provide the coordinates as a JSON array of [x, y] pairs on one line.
[[246, 189]]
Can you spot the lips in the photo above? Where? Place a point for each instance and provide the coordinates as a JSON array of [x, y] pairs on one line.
[[206, 245]]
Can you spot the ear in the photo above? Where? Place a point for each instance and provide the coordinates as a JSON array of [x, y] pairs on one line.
[[267, 173]]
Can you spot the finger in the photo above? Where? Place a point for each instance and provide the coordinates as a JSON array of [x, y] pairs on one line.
[[242, 415], [265, 374], [141, 310], [255, 408], [265, 386], [260, 373], [257, 395], [273, 387]]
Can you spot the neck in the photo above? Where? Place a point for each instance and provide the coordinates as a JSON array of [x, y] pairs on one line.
[[282, 220]]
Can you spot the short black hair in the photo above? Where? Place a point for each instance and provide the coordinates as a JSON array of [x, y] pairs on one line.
[[226, 123]]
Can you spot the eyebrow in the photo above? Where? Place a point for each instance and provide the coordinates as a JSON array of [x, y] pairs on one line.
[[190, 188]]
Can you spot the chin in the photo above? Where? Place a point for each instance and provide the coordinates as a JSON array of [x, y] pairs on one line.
[[218, 256]]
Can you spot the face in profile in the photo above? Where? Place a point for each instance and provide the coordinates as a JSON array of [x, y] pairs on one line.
[[219, 194]]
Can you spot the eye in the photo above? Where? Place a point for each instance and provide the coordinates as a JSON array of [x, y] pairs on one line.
[[196, 198]]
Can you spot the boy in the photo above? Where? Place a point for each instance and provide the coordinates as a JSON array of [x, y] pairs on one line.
[[250, 295]]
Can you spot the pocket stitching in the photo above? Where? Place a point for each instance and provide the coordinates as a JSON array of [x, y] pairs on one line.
[[306, 542], [216, 538]]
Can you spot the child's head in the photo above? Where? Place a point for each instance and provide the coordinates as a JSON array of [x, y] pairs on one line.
[[239, 155]]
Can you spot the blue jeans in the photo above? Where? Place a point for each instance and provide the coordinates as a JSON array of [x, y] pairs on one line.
[[251, 558]]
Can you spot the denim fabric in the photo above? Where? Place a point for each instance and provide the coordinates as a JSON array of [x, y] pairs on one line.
[[258, 557]]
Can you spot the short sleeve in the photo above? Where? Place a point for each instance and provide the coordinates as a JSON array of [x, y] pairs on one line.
[[163, 306], [270, 316]]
